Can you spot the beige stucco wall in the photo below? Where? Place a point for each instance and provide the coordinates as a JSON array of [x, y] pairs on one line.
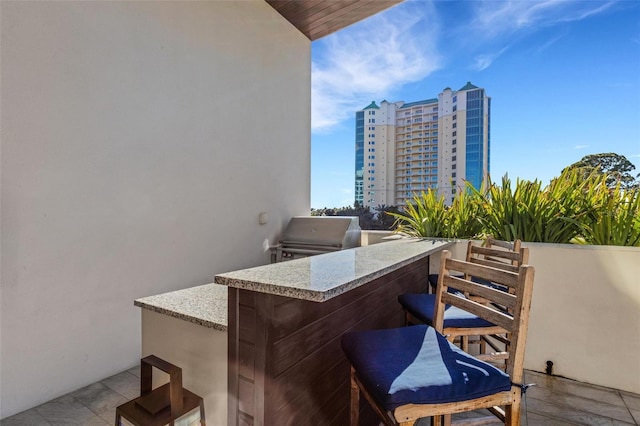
[[140, 142], [585, 313]]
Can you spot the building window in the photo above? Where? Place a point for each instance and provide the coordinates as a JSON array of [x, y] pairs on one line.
[[455, 99], [454, 125], [453, 166], [453, 158], [453, 142], [455, 133], [454, 149], [455, 116], [454, 174], [455, 108]]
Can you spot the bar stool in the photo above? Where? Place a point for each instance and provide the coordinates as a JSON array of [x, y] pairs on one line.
[[169, 404]]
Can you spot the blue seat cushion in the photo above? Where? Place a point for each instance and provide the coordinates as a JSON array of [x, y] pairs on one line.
[[421, 306], [418, 365]]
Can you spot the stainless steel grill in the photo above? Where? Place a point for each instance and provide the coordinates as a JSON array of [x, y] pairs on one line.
[[311, 235]]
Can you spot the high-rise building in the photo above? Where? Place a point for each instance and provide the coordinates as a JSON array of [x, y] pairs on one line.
[[403, 148]]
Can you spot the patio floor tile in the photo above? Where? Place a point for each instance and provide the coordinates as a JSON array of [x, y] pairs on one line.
[[576, 404], [68, 411], [555, 401], [125, 383], [99, 398], [26, 418], [572, 387]]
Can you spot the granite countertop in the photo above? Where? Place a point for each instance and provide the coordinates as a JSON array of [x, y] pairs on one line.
[[204, 305], [320, 278]]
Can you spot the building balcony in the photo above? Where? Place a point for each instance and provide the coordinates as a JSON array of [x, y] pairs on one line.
[[593, 379]]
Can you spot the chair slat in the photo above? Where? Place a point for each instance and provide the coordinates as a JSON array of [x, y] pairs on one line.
[[491, 294], [495, 275], [483, 311], [509, 245], [495, 356], [498, 253], [494, 264]]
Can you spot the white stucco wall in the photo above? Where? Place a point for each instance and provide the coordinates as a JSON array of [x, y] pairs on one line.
[[140, 141], [585, 313]]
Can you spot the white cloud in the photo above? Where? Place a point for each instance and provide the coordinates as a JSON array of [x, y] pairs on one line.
[[493, 19], [484, 61], [496, 23], [549, 43], [581, 146], [370, 59]]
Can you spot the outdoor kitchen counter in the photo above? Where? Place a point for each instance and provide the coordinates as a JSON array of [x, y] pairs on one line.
[[204, 305], [285, 364], [188, 328], [320, 278]]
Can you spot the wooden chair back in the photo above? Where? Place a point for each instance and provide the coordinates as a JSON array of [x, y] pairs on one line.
[[498, 254], [517, 301]]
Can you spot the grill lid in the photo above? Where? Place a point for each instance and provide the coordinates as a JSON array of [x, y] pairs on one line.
[[322, 231]]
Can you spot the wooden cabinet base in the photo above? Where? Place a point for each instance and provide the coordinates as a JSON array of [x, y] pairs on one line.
[[285, 361]]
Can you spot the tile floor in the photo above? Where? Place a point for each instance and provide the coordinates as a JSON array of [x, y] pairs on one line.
[[553, 401]]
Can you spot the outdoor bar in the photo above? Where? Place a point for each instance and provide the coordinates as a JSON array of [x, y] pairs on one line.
[[286, 320], [283, 326]]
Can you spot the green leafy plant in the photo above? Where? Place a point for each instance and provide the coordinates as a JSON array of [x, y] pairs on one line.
[[615, 219], [428, 216], [574, 208], [530, 212], [424, 216], [463, 218]]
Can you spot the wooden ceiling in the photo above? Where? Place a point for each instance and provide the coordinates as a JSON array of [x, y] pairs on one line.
[[318, 18]]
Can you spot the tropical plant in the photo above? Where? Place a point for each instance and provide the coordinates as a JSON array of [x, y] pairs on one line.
[[464, 216], [576, 207], [531, 213], [616, 218], [427, 215], [424, 216]]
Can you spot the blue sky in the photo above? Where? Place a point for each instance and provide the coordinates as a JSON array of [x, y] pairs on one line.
[[564, 78]]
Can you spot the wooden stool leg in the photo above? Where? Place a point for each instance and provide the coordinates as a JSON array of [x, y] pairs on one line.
[[355, 400]]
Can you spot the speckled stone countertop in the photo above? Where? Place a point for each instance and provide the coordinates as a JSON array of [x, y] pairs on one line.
[[320, 278], [205, 305]]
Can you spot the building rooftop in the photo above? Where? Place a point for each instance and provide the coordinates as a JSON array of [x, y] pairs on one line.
[[424, 102], [372, 105], [468, 86]]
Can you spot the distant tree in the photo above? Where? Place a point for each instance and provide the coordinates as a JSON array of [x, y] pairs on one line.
[[617, 168], [384, 220], [369, 219]]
